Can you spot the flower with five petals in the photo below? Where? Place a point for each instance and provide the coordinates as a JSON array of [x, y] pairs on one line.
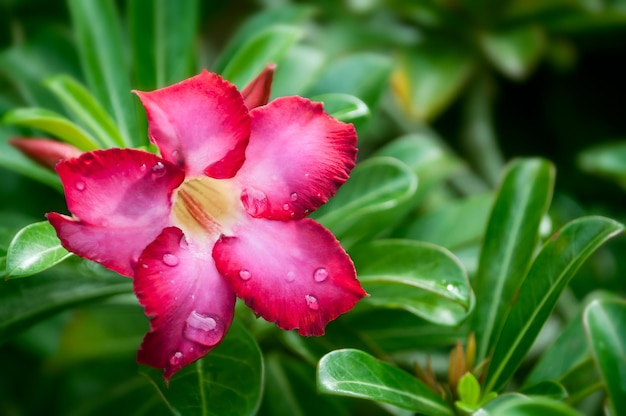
[[220, 213]]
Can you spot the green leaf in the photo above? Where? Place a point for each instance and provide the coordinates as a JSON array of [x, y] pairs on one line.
[[228, 381], [52, 123], [26, 301], [532, 407], [266, 47], [344, 107], [469, 389], [547, 388], [290, 389], [607, 160], [356, 374], [510, 240], [284, 15], [605, 326], [555, 265], [298, 70], [85, 108], [515, 51], [163, 38], [370, 201], [431, 76], [363, 75], [34, 249], [422, 278], [99, 35]]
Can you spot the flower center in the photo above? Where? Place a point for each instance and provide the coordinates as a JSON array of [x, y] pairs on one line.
[[205, 206]]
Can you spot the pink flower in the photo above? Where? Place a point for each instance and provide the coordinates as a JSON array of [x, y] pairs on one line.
[[221, 213]]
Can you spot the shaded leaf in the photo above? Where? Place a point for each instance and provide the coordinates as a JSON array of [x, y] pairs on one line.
[[343, 107], [357, 374], [532, 407], [228, 381], [555, 265], [86, 108], [547, 388], [422, 278], [607, 160], [34, 249], [298, 70], [605, 326], [369, 201], [510, 240], [52, 123], [99, 35]]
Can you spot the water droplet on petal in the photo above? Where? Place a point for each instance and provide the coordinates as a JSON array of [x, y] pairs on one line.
[[244, 274], [254, 201], [286, 207], [183, 243], [206, 330], [158, 170], [144, 265], [311, 302], [320, 274], [170, 260], [143, 167], [291, 276], [176, 358], [294, 196], [80, 185]]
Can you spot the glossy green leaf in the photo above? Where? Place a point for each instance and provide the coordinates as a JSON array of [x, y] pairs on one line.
[[85, 108], [532, 407], [284, 15], [430, 77], [163, 38], [516, 51], [369, 202], [298, 70], [290, 389], [99, 35], [469, 389], [34, 249], [52, 123], [343, 107], [607, 160], [422, 278], [547, 388], [357, 374], [26, 301], [363, 75], [510, 240], [263, 48], [605, 326], [555, 265], [227, 382]]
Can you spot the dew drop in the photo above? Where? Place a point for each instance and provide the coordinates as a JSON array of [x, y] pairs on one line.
[[254, 201], [244, 274], [176, 358], [205, 330], [320, 274], [311, 302], [294, 196], [286, 207], [170, 260], [80, 185], [291, 276], [158, 170], [182, 243], [144, 265], [143, 167]]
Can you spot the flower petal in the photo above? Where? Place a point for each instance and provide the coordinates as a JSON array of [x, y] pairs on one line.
[[189, 303], [296, 159], [120, 199], [200, 124], [258, 91], [293, 273], [45, 152]]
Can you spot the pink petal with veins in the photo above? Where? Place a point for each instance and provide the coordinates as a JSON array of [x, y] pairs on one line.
[[120, 201], [296, 159], [293, 273], [200, 124], [189, 303]]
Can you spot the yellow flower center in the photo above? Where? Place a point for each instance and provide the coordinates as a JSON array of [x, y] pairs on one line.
[[205, 206]]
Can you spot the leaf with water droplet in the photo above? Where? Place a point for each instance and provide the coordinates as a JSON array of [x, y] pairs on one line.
[[214, 386], [34, 249]]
